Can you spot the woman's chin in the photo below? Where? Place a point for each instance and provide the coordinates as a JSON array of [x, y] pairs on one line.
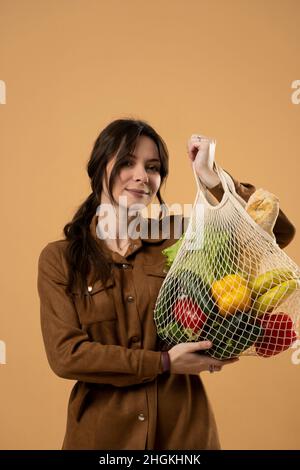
[[132, 201]]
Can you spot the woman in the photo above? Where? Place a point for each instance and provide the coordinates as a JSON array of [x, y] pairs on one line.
[[97, 296]]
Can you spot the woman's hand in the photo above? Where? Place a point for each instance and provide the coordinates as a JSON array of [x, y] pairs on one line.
[[184, 360], [198, 152]]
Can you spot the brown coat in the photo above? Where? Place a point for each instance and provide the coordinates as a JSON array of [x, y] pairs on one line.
[[108, 344]]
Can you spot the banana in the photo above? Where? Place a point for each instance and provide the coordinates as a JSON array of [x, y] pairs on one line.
[[266, 281], [274, 297]]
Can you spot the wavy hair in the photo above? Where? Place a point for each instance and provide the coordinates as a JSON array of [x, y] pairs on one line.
[[83, 253]]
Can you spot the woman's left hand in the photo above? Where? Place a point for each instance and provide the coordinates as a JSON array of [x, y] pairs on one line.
[[198, 152]]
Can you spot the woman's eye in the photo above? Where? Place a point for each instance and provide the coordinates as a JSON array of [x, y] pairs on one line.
[[153, 168]]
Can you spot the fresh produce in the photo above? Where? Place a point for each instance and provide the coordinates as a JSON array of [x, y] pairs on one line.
[[187, 283], [236, 300], [213, 259], [230, 336], [278, 334], [171, 252], [228, 283], [210, 295], [173, 324], [266, 281], [175, 333], [188, 314], [231, 294], [216, 256], [274, 297]]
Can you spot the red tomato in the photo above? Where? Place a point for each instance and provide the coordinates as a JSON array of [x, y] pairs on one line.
[[278, 334], [188, 314]]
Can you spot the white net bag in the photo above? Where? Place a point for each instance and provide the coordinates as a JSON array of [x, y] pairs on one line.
[[228, 282]]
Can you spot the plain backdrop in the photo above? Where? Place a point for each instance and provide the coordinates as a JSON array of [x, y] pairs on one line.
[[220, 68]]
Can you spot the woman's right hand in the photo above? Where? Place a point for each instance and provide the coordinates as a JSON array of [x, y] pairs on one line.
[[184, 360]]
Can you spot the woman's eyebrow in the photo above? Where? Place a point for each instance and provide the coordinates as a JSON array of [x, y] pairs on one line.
[[153, 159]]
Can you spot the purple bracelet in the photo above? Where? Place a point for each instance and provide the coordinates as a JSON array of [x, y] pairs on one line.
[[166, 362]]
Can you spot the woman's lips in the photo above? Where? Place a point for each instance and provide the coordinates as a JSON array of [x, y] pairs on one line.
[[137, 193]]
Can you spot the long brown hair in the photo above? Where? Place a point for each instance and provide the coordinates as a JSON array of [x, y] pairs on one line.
[[83, 253]]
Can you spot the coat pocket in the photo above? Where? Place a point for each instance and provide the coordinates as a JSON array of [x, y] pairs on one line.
[[97, 303], [155, 277]]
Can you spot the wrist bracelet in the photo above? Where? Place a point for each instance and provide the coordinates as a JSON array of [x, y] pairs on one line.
[[166, 363]]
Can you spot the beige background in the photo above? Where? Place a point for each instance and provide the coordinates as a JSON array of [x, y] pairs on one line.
[[220, 68]]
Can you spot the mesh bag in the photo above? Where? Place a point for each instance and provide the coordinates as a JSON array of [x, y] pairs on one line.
[[229, 282]]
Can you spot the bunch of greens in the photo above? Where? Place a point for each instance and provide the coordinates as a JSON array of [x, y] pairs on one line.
[[214, 260]]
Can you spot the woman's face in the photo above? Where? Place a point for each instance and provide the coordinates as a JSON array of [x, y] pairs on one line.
[[139, 178]]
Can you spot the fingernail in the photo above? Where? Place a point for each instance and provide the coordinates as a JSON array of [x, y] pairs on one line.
[[208, 344]]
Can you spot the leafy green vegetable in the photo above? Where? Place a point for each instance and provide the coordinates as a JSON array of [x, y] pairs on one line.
[[230, 336], [176, 333], [172, 251], [214, 260]]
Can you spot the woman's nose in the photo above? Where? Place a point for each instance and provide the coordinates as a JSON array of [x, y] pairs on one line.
[[140, 175]]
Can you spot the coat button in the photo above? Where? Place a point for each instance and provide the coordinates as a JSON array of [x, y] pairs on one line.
[[125, 266], [130, 298], [90, 288], [135, 339], [141, 417]]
